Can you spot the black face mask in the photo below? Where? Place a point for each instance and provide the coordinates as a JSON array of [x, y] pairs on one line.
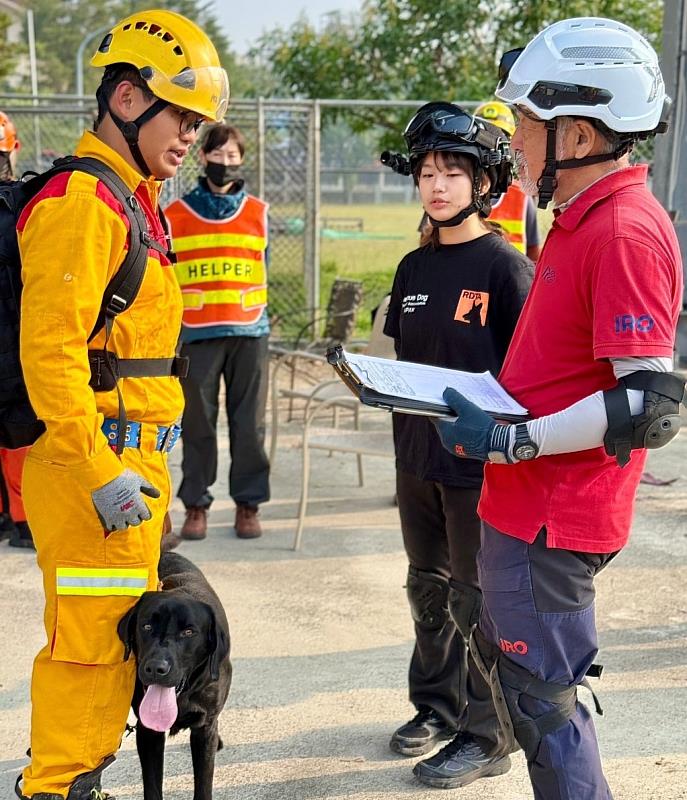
[[221, 174]]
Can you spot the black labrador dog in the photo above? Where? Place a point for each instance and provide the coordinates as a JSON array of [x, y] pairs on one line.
[[180, 637]]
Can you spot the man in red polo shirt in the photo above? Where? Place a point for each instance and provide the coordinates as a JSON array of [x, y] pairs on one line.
[[591, 359]]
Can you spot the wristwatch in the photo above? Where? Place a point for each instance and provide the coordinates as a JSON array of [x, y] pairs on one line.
[[524, 449]]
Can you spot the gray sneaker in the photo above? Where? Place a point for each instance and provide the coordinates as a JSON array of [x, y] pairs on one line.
[[461, 762], [421, 734]]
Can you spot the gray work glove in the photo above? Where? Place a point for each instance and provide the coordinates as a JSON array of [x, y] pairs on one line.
[[119, 503]]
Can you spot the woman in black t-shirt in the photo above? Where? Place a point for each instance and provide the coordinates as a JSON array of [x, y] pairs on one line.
[[454, 303]]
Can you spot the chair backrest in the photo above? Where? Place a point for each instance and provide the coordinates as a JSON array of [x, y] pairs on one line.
[[380, 344], [342, 309]]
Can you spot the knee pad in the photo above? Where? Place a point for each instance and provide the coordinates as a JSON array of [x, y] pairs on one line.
[[428, 598], [464, 606], [517, 682]]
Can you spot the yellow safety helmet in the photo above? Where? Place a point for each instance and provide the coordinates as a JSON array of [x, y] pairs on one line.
[[498, 114], [175, 58]]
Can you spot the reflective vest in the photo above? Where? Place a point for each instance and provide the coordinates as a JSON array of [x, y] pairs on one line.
[[510, 212], [221, 263]]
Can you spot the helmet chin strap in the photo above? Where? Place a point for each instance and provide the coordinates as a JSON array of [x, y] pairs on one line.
[[476, 207], [130, 130], [547, 182]]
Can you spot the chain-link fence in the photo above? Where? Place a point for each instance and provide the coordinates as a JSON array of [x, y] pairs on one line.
[[279, 167], [335, 211]]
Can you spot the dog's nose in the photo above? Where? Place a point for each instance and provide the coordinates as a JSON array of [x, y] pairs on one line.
[[156, 668]]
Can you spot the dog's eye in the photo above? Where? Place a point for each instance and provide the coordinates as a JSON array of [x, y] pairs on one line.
[[187, 632], [147, 627]]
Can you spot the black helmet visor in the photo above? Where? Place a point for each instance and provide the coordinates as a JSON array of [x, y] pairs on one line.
[[506, 64], [442, 119]]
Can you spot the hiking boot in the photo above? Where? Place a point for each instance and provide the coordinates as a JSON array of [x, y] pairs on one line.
[[247, 524], [21, 536], [421, 734], [7, 527], [169, 540], [459, 763], [196, 523]]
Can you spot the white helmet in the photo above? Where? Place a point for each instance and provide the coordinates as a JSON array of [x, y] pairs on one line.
[[588, 67]]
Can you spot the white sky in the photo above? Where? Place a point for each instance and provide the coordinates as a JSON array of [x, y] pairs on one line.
[[245, 21]]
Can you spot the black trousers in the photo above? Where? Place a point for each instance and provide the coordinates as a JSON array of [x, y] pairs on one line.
[[441, 535], [243, 363]]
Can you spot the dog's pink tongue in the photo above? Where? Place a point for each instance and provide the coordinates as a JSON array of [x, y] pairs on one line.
[[158, 709]]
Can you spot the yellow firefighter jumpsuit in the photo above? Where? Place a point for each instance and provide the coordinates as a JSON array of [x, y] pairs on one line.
[[72, 239]]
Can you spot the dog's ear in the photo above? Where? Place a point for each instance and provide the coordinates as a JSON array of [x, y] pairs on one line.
[[218, 644], [126, 630]]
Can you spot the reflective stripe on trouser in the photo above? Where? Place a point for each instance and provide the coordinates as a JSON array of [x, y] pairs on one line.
[[81, 687], [538, 607]]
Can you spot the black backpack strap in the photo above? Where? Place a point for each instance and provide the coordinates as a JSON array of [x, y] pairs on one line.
[[124, 285]]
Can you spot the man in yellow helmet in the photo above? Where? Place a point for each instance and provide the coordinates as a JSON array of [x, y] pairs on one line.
[[98, 530], [515, 212]]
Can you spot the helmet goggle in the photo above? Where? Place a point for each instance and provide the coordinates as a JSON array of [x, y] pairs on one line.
[[506, 64], [439, 118]]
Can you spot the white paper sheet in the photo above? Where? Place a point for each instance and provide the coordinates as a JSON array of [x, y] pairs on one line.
[[427, 384]]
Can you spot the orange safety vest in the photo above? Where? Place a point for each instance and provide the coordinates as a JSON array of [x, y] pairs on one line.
[[221, 263], [510, 212]]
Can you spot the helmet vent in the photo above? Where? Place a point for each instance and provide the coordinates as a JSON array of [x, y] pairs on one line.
[[624, 53], [512, 90], [105, 44], [167, 37], [178, 51], [127, 27], [153, 29]]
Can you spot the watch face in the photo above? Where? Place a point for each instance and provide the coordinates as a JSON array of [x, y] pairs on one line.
[[525, 452]]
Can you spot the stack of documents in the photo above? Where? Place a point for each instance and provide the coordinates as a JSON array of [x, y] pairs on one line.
[[418, 388]]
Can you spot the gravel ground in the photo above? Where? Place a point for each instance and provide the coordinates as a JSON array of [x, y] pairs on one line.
[[321, 641]]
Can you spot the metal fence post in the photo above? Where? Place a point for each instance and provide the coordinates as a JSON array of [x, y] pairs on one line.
[[260, 154], [311, 250]]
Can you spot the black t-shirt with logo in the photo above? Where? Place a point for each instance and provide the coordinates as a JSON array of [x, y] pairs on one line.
[[455, 306]]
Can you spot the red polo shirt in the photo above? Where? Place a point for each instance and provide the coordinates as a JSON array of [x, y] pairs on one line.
[[608, 284]]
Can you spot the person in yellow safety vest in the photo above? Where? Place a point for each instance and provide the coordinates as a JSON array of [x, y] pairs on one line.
[[97, 536], [515, 212], [13, 524], [220, 235]]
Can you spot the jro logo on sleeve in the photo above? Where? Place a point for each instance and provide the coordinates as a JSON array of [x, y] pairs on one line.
[[628, 323], [472, 307]]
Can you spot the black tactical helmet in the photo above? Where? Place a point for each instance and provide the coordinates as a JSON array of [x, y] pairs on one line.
[[445, 127]]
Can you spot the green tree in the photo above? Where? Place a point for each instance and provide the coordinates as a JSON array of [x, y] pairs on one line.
[[415, 49], [9, 53], [61, 26]]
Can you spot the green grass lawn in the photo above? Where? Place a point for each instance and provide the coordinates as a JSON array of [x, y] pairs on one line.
[[392, 228]]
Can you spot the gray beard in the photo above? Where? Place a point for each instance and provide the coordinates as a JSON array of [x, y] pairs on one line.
[[527, 183]]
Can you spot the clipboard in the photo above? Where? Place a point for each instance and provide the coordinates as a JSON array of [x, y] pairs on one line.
[[364, 388]]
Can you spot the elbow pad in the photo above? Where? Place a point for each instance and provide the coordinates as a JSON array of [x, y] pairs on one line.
[[656, 426]]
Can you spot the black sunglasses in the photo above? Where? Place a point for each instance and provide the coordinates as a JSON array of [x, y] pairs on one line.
[[506, 63]]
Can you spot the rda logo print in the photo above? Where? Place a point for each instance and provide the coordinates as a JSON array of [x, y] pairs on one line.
[[472, 307]]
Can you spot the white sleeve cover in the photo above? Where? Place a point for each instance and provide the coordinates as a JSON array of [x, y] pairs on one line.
[[583, 425]]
